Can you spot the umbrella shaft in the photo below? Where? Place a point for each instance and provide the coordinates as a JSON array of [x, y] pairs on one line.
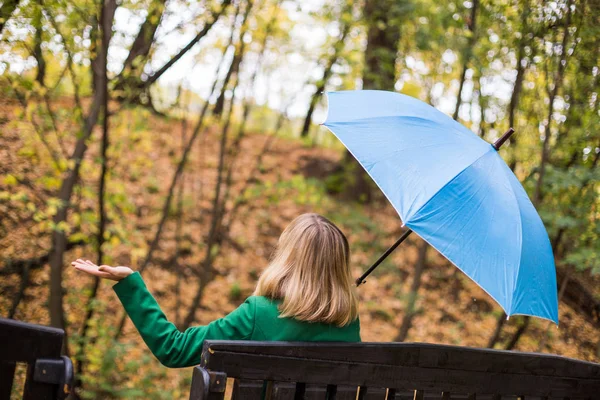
[[503, 138], [361, 280]]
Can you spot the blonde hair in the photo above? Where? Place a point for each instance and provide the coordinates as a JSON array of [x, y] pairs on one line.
[[310, 273]]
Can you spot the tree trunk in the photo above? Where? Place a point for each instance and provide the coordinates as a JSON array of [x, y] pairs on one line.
[[337, 49], [414, 291], [59, 238], [37, 43], [383, 36], [496, 335], [518, 334], [140, 49], [234, 67], [521, 69], [133, 66], [468, 53]]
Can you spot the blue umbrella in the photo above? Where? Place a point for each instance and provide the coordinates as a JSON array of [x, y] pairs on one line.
[[455, 191]]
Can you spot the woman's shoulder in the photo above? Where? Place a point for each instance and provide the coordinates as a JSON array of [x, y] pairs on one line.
[[262, 301]]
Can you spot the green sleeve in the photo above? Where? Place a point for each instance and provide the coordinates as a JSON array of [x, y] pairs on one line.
[[171, 347]]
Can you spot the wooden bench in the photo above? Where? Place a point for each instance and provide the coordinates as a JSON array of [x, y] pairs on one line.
[[415, 371], [49, 375]]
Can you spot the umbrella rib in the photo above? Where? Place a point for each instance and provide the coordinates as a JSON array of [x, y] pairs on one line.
[[410, 215], [520, 237]]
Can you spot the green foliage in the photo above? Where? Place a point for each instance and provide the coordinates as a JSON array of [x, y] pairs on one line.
[[235, 292]]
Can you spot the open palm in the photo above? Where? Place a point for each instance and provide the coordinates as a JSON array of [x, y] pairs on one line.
[[102, 271]]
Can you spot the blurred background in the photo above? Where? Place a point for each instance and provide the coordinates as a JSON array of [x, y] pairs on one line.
[[179, 137]]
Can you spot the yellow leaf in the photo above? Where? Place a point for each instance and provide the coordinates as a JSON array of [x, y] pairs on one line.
[[10, 180]]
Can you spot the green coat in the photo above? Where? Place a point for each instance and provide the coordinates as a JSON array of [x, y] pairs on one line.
[[256, 319]]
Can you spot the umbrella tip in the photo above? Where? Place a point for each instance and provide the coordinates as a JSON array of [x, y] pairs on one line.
[[503, 138]]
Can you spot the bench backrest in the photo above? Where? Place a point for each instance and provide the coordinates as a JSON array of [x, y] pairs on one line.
[[280, 370], [49, 375]]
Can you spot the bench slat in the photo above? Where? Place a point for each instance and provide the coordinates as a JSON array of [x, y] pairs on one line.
[[245, 389], [325, 372], [422, 355], [412, 371]]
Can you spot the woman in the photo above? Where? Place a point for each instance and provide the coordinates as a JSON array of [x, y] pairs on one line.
[[305, 294]]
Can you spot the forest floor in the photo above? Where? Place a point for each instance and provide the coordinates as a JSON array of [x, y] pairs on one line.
[[145, 148]]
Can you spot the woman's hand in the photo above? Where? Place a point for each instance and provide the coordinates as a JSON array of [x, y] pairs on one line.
[[103, 271]]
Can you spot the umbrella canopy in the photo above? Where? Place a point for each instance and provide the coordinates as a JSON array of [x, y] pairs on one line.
[[455, 191]]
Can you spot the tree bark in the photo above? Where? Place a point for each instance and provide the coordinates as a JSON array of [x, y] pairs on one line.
[[414, 292], [234, 67], [59, 238], [37, 44], [468, 53], [496, 335], [383, 36], [382, 18], [518, 85], [140, 49]]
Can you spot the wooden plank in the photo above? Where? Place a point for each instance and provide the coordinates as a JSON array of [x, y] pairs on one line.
[[346, 392], [375, 393], [404, 394], [315, 392], [247, 389], [422, 355], [366, 374], [7, 375], [36, 390], [22, 342], [282, 391], [200, 384], [207, 385]]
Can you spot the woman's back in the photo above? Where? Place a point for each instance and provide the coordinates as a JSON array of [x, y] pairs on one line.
[[268, 326]]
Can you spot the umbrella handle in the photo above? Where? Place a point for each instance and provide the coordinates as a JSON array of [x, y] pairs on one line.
[[361, 280]]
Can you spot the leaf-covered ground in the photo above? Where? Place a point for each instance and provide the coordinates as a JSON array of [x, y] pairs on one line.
[[289, 181]]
